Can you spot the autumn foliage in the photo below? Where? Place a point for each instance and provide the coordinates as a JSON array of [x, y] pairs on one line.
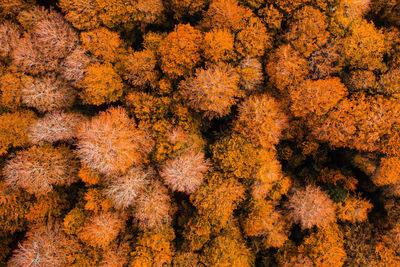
[[199, 133], [111, 142]]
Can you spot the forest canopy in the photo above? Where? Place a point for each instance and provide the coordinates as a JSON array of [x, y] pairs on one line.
[[199, 133]]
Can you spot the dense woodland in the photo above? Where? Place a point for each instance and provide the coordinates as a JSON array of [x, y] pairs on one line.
[[200, 133]]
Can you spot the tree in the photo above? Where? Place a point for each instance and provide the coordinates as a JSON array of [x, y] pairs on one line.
[[89, 176], [150, 12], [47, 208], [12, 7], [28, 58], [9, 35], [14, 128], [180, 50], [101, 84], [311, 206], [316, 97], [154, 248], [389, 83], [153, 209], [261, 119], [183, 259], [45, 246], [185, 173], [324, 62], [308, 30], [140, 68], [354, 209], [253, 40], [289, 6], [325, 246], [251, 74], [125, 189], [112, 143], [217, 198], [40, 168], [362, 122], [128, 14], [73, 67], [264, 220], [197, 232], [97, 201], [54, 36], [271, 17], [347, 12], [102, 229], [117, 255], [83, 14], [388, 172], [236, 156], [226, 14], [11, 86], [55, 126], [359, 245], [218, 45], [213, 90], [286, 67], [338, 178], [367, 54], [14, 206], [47, 93], [184, 8], [103, 44], [116, 13], [362, 81], [29, 18], [227, 249]]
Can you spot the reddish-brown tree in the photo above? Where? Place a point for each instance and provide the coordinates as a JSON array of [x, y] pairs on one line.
[[251, 74], [311, 206], [213, 90], [55, 126], [100, 230], [45, 246], [54, 36], [47, 93], [185, 173], [286, 67], [153, 209], [40, 168], [111, 142], [226, 14], [316, 97], [125, 189], [261, 119], [73, 67], [28, 58], [9, 35]]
